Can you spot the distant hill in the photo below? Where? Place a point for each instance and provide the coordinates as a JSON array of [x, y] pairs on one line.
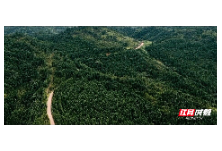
[[33, 30], [158, 33]]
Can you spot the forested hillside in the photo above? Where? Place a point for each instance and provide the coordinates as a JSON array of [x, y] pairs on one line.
[[25, 79], [98, 76]]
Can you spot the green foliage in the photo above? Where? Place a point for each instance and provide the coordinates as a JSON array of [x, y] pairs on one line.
[[23, 81]]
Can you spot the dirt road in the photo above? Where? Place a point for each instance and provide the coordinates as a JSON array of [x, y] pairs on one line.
[[49, 106], [140, 46]]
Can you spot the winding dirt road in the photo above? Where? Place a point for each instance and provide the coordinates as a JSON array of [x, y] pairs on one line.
[[140, 46], [49, 107]]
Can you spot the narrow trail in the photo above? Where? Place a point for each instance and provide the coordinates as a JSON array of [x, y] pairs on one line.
[[140, 46], [50, 91], [49, 107]]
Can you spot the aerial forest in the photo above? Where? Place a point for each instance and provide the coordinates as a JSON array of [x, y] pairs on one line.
[[99, 75]]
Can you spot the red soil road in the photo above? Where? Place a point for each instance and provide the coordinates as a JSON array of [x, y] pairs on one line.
[[49, 107]]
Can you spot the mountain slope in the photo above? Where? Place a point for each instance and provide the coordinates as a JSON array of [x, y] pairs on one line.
[[132, 71]]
